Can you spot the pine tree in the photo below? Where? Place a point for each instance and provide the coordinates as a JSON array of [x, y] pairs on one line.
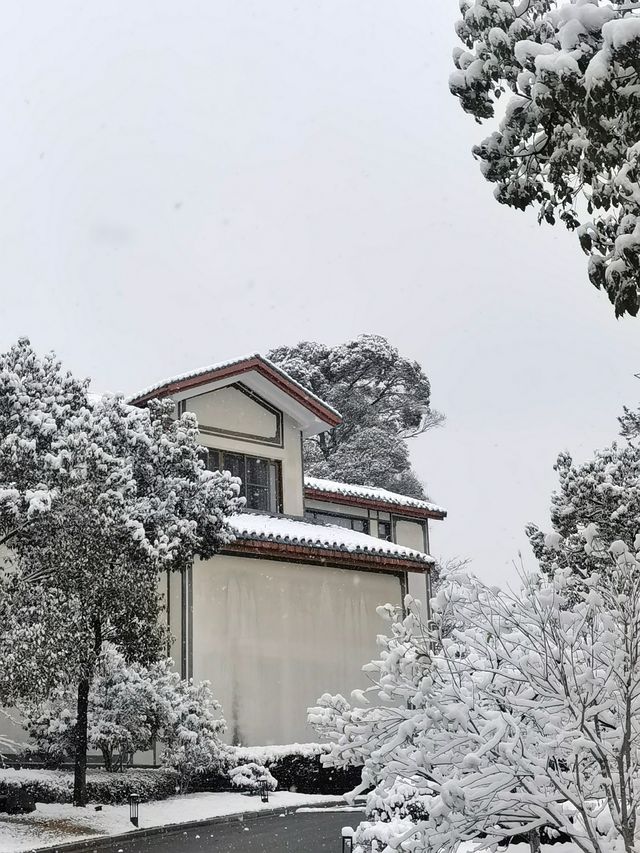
[[384, 400], [567, 141], [95, 499]]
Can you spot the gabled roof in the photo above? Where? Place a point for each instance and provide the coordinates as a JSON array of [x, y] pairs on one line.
[[282, 537], [370, 497], [324, 415]]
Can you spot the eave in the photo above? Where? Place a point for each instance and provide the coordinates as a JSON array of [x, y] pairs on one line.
[[323, 556], [369, 503]]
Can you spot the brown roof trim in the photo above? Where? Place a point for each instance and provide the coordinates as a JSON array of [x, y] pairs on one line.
[[254, 363], [325, 557], [371, 503]]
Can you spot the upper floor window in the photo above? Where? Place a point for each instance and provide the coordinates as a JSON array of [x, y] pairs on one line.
[[260, 477], [360, 524], [384, 530]]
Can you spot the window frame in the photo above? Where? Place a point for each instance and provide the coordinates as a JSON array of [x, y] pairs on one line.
[[274, 468], [310, 515]]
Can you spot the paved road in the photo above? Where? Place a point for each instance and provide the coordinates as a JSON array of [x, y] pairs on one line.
[[315, 832]]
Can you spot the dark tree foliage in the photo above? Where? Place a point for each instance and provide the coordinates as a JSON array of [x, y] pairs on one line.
[[384, 400], [567, 140]]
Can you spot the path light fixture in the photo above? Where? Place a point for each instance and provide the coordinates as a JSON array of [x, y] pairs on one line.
[[347, 839], [134, 801], [264, 791]]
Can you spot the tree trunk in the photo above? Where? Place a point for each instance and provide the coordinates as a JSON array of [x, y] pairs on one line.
[[107, 757], [534, 841], [80, 767]]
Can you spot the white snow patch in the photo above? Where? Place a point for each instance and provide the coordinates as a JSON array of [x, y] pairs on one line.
[[290, 531], [371, 492], [54, 823]]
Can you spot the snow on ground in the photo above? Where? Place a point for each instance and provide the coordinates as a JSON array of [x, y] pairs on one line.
[[55, 823]]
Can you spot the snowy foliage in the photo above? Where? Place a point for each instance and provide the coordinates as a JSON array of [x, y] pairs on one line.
[[603, 491], [568, 137], [192, 738], [96, 497], [251, 777], [130, 706], [383, 398], [527, 715]]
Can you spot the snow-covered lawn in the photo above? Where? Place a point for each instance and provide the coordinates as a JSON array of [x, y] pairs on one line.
[[54, 823]]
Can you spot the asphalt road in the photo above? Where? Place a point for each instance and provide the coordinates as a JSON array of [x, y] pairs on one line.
[[315, 832]]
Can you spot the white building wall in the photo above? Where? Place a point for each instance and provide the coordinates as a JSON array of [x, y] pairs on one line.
[[272, 637]]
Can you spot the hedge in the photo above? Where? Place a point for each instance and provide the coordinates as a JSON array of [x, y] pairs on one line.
[[297, 767], [56, 786]]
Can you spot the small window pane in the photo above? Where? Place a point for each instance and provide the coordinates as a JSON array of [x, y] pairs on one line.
[[257, 471], [212, 459], [257, 498], [234, 463]]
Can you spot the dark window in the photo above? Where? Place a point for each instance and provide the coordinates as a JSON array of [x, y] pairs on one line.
[[351, 523], [260, 477], [384, 530]]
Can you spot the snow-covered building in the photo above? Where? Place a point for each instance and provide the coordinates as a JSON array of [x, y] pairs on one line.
[[288, 611]]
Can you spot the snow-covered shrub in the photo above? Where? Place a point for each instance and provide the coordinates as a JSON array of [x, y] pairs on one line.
[[251, 777], [129, 705], [299, 767], [192, 736], [115, 788], [56, 786]]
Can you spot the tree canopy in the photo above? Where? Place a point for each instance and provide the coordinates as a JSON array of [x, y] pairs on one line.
[[96, 497], [567, 139], [384, 400]]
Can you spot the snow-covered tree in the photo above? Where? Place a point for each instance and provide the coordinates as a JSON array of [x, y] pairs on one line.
[[604, 490], [567, 138], [131, 706], [251, 777], [384, 399], [96, 498], [526, 716], [192, 738]]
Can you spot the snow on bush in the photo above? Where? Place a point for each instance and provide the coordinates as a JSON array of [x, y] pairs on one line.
[[130, 705], [56, 786], [251, 777], [524, 716], [270, 754]]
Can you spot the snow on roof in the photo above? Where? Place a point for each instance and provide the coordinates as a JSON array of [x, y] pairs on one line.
[[221, 365], [372, 493], [291, 531]]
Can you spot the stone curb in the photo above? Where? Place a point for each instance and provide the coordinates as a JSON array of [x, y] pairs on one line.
[[96, 842]]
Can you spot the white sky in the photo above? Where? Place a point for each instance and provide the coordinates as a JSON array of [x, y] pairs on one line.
[[185, 182]]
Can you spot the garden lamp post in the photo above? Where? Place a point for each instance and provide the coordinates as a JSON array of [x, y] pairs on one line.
[[347, 839], [264, 791], [134, 801]]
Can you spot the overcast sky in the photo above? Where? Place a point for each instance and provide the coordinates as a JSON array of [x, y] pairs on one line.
[[185, 182]]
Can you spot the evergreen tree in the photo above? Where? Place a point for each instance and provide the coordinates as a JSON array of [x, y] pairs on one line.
[[96, 498], [567, 142], [384, 400]]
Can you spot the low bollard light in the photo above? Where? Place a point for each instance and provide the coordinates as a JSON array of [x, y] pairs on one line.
[[134, 801], [347, 839], [264, 792]]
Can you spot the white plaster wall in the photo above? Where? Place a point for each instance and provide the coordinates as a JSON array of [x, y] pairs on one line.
[[410, 534], [340, 509], [231, 409], [228, 408], [272, 637]]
